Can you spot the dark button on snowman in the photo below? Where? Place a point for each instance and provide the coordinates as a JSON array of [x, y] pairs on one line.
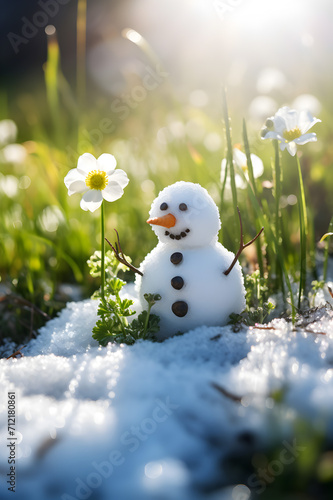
[[187, 266]]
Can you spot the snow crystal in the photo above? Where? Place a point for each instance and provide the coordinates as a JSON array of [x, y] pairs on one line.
[[157, 421]]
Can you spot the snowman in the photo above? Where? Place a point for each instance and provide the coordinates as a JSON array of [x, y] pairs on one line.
[[200, 282]]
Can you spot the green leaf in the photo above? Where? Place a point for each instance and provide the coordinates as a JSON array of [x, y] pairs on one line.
[[112, 265], [101, 332], [124, 305], [115, 285], [152, 298]]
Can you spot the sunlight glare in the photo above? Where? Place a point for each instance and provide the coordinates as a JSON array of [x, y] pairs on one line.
[[132, 36], [260, 15]]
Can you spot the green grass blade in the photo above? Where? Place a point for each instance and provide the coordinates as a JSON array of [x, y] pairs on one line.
[[329, 233], [71, 262], [249, 159], [230, 163], [81, 29], [253, 183], [278, 219], [272, 241], [51, 82]]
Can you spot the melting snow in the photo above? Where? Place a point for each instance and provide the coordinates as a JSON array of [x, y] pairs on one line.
[[149, 421]]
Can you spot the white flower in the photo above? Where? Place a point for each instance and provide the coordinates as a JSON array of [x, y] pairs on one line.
[[240, 164], [290, 127], [96, 179]]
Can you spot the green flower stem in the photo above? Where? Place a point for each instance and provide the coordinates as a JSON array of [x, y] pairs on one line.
[[102, 252], [278, 219], [278, 190], [121, 319], [230, 163], [303, 223], [150, 305]]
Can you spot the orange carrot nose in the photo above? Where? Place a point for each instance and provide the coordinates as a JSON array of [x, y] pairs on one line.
[[167, 220]]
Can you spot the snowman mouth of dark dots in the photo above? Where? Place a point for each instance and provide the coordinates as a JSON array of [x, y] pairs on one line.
[[179, 236], [169, 220]]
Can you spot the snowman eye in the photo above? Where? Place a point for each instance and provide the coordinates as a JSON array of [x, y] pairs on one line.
[[183, 207], [164, 206]]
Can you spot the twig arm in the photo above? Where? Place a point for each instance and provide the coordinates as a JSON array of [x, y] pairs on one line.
[[120, 255], [241, 244]]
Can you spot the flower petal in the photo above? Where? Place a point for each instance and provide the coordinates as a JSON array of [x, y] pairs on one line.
[[112, 192], [86, 163], [306, 121], [279, 124], [91, 200], [107, 163], [120, 177], [258, 166], [273, 135], [240, 182], [223, 167], [239, 158], [306, 138], [291, 148], [77, 187], [290, 117], [73, 175]]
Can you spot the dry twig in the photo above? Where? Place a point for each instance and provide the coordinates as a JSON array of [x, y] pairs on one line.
[[257, 327], [226, 393], [17, 353], [120, 255], [241, 244]]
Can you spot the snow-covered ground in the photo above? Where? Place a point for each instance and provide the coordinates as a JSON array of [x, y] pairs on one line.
[[147, 422]]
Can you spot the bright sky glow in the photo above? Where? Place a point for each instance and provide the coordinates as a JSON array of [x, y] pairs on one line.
[[259, 16]]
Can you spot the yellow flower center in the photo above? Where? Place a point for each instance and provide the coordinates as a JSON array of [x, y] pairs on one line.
[[97, 179], [245, 168], [291, 135]]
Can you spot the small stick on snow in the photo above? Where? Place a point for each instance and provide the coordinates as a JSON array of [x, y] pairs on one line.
[[120, 255], [307, 330], [257, 327], [17, 353], [330, 291], [241, 244], [226, 393]]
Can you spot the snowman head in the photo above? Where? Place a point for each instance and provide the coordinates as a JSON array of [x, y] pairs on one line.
[[185, 215]]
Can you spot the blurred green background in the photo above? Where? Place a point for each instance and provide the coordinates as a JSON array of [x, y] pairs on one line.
[[142, 80]]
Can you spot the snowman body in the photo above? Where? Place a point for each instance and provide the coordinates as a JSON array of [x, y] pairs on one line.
[[187, 266], [194, 291]]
